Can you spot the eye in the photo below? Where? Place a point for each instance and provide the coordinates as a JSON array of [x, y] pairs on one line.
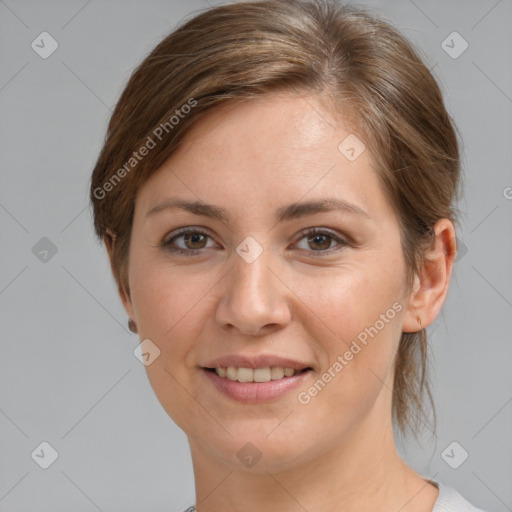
[[320, 239], [192, 240]]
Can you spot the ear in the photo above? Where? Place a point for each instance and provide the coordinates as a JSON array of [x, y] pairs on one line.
[[109, 241], [432, 282]]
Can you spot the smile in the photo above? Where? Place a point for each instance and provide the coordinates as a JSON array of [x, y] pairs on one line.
[[254, 385], [264, 374]]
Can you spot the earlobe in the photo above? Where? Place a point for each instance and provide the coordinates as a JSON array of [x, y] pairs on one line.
[[132, 326], [432, 282]]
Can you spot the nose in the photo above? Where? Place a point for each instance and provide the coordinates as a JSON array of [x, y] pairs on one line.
[[254, 299]]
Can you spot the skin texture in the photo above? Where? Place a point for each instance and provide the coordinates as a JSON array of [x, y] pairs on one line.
[[338, 451]]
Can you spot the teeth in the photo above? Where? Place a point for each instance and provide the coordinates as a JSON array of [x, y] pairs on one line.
[[255, 375], [276, 372], [245, 375], [261, 375], [288, 372]]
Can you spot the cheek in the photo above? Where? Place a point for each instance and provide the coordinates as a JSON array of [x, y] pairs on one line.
[[346, 301], [167, 299], [169, 304], [357, 325]]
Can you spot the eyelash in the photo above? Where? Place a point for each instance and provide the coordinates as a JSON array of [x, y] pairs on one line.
[[166, 244]]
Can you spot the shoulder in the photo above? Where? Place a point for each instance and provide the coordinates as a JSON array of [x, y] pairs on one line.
[[450, 500]]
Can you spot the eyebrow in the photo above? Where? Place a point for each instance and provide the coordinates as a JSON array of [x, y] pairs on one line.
[[283, 214]]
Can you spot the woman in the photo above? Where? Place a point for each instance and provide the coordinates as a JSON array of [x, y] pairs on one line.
[[276, 194]]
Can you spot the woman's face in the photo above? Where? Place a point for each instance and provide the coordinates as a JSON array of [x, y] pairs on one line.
[[255, 286]]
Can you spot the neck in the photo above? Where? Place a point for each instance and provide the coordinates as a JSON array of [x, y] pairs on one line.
[[363, 473]]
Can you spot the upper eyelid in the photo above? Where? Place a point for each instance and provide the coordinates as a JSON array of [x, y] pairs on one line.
[[185, 231]]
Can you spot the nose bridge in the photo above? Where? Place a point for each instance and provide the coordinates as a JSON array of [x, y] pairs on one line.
[[251, 276], [253, 296]]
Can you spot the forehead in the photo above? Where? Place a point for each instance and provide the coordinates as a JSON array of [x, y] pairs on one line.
[[261, 150], [276, 127]]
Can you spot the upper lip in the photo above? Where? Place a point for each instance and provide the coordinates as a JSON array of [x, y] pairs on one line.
[[256, 361]]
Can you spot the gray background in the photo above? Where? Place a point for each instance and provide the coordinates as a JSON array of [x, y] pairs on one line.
[[68, 375]]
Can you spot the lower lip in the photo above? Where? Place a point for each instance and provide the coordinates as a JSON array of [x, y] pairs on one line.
[[255, 392]]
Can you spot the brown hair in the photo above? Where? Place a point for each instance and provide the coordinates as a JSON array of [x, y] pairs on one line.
[[358, 64]]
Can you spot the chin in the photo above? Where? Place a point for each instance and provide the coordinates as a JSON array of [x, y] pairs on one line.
[[259, 447], [259, 456]]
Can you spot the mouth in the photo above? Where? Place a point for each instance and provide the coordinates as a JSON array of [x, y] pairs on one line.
[[255, 385], [256, 375]]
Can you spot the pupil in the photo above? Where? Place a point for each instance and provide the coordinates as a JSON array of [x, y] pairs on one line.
[[194, 238], [316, 237]]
